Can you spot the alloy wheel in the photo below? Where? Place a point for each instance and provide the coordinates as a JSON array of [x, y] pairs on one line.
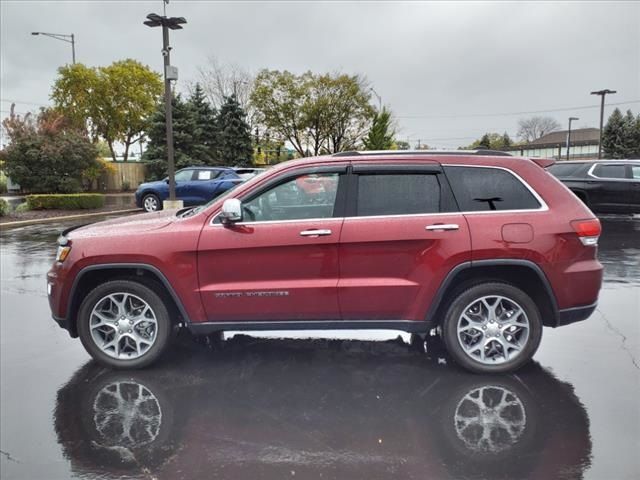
[[151, 203], [493, 330]]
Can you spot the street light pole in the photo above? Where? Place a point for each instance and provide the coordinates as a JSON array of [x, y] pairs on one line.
[[63, 38], [602, 94], [170, 73], [569, 134]]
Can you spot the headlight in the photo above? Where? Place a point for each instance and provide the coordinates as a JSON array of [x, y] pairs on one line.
[[63, 253]]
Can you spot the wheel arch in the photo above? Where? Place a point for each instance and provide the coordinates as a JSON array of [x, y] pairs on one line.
[[90, 277], [523, 274]]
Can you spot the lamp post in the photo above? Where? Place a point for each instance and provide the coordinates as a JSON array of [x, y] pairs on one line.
[[602, 93], [63, 38], [170, 73], [571, 119]]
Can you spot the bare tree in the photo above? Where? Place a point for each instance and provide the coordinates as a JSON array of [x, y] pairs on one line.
[[221, 80], [530, 129]]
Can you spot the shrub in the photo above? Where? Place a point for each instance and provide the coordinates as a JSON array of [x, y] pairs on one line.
[[3, 184], [65, 202], [22, 207], [4, 207]]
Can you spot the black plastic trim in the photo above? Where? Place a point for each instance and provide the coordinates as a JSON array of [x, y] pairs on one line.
[[410, 326], [567, 316], [133, 266], [390, 169]]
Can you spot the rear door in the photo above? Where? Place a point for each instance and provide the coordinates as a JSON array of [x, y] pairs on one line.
[[612, 187], [280, 263], [402, 234]]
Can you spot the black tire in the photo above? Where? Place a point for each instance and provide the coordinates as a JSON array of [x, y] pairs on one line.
[[476, 292], [163, 321], [149, 200]]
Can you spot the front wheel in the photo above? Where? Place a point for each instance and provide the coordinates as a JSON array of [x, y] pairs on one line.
[[151, 202], [124, 324], [492, 328]]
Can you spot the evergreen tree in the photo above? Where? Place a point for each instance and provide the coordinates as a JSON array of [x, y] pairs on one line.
[[234, 146], [506, 140], [631, 135], [184, 126], [614, 136], [380, 136], [205, 133], [485, 142]]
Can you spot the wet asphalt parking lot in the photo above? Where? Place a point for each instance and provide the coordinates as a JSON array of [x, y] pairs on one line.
[[344, 409]]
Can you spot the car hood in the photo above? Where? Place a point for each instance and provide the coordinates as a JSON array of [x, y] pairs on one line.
[[131, 224], [156, 184]]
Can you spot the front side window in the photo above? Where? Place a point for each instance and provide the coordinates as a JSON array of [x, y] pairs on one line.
[[609, 171], [304, 197], [483, 188], [397, 194], [184, 175]]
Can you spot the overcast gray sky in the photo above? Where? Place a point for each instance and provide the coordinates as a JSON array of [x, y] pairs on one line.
[[441, 67]]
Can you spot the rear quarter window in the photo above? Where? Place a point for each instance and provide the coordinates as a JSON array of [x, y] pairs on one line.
[[609, 171], [485, 188]]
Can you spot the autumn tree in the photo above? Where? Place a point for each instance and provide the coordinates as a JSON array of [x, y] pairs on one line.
[[315, 113], [113, 102], [530, 129]]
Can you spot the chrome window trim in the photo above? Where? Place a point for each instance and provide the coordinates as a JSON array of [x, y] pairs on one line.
[[543, 206]]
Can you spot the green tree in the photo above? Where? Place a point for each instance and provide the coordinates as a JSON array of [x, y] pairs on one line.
[[205, 133], [402, 145], [315, 113], [381, 133], [47, 154], [615, 136], [184, 126], [234, 146], [491, 141], [113, 102], [485, 142]]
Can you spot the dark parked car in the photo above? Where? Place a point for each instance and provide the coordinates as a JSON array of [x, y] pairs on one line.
[[194, 186], [485, 250], [605, 186]]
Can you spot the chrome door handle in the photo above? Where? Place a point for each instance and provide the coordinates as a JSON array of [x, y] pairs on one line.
[[442, 226], [315, 233]]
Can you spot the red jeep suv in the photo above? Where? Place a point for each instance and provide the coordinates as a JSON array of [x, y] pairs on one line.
[[485, 249]]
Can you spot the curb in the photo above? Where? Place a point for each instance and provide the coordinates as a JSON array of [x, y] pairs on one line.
[[36, 221]]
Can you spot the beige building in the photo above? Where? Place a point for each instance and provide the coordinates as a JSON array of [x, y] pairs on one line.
[[584, 145]]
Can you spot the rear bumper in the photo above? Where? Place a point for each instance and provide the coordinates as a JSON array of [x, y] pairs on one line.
[[575, 314]]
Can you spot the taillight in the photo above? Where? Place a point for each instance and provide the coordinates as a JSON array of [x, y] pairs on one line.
[[588, 230]]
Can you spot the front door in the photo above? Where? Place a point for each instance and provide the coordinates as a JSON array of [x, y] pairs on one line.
[[402, 237], [281, 261]]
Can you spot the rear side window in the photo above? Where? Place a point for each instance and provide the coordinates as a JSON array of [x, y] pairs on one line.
[[566, 170], [398, 194], [635, 172], [483, 188], [609, 171]]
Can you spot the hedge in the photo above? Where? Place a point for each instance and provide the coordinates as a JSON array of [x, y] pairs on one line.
[[72, 201], [4, 207]]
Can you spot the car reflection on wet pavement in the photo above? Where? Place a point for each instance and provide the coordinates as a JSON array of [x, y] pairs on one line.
[[265, 408]]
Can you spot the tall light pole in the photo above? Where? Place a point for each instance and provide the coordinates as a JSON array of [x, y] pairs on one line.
[[602, 93], [378, 97], [571, 119], [170, 73], [63, 38]]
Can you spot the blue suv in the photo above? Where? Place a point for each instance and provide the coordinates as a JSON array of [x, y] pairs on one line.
[[194, 186]]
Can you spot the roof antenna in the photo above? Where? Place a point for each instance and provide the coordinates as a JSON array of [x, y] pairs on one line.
[[164, 6]]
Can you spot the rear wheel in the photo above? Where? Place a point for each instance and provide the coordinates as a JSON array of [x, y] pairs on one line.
[[124, 324], [492, 327], [151, 202]]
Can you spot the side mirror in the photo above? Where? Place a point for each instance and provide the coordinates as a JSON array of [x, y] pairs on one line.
[[231, 211]]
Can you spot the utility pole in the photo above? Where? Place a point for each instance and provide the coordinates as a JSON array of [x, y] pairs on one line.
[[602, 93], [569, 134], [170, 73]]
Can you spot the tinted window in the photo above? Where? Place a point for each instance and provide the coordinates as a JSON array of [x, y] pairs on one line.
[[398, 194], [480, 189], [565, 170], [306, 196], [609, 171]]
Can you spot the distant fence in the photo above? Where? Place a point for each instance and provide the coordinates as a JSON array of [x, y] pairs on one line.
[[126, 174]]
